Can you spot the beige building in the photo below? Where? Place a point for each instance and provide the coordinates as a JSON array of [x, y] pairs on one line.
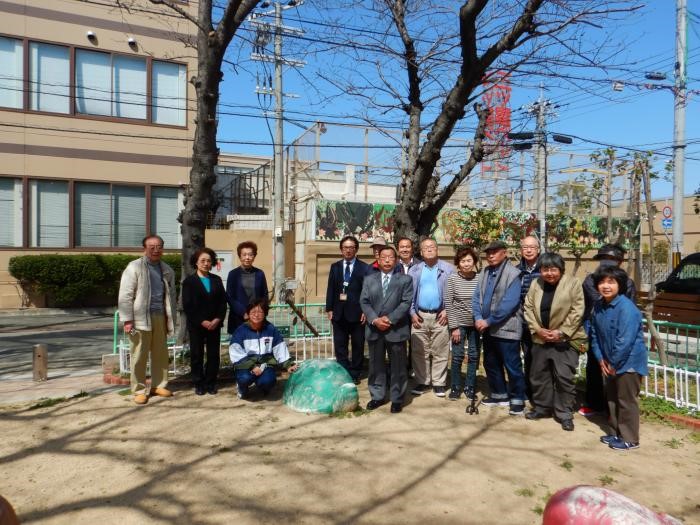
[[95, 128]]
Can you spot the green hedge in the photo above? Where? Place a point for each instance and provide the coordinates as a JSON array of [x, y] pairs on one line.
[[77, 280]]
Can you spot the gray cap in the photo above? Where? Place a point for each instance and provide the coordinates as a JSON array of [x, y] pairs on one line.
[[379, 241], [496, 245]]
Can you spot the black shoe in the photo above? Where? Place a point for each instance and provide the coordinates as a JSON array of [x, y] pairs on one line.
[[396, 408], [212, 390], [356, 380], [199, 390], [439, 391], [420, 389], [454, 394], [374, 404], [568, 425], [491, 402], [534, 415]]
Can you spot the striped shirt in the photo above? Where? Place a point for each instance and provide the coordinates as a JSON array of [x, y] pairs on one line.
[[457, 298]]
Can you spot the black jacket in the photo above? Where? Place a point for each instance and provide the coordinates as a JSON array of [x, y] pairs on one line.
[[200, 305], [350, 309]]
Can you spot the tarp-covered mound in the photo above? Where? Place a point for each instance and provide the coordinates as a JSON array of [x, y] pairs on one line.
[[320, 386]]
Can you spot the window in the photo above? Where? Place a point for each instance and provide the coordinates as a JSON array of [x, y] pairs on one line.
[[129, 87], [49, 72], [11, 212], [164, 210], [169, 93], [11, 74], [93, 83], [48, 220], [128, 215], [92, 224]]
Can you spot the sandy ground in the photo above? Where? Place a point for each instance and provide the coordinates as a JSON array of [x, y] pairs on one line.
[[215, 459]]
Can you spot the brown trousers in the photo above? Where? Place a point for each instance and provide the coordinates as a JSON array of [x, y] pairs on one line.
[[623, 402], [155, 344]]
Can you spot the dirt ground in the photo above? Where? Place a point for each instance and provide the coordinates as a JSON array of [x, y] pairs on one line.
[[216, 459]]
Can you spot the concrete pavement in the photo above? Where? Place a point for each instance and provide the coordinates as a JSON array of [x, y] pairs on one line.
[[76, 340]]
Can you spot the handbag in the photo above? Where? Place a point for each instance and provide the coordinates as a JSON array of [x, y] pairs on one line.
[[580, 344]]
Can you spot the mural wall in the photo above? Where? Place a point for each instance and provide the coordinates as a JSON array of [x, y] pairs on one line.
[[334, 219]]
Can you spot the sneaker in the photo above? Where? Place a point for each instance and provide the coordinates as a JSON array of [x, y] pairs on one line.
[[240, 395], [454, 395], [607, 439], [517, 410], [420, 389], [589, 412], [491, 402], [619, 444], [439, 391]]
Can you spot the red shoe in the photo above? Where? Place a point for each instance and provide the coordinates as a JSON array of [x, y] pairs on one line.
[[588, 412]]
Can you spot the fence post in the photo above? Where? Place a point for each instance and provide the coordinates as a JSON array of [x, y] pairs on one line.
[[40, 363]]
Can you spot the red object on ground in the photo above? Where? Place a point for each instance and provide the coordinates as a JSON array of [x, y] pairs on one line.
[[587, 505]]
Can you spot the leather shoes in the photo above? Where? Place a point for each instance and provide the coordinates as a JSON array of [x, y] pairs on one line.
[[140, 399], [199, 390], [374, 404], [534, 415], [161, 392], [212, 390], [568, 425], [396, 408]]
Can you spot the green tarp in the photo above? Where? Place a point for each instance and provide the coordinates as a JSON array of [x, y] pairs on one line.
[[320, 386]]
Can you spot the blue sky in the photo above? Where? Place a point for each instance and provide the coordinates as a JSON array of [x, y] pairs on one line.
[[636, 117]]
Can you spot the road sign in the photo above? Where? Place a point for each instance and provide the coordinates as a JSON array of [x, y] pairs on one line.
[[667, 224], [666, 212]]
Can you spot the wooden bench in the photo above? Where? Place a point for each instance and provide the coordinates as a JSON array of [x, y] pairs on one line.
[[677, 308]]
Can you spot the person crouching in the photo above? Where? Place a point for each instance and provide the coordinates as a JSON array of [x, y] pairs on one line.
[[256, 349]]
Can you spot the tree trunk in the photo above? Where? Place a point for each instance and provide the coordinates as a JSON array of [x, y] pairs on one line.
[[649, 308]]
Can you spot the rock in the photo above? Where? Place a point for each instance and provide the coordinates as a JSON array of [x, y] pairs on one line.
[[583, 505], [320, 386]]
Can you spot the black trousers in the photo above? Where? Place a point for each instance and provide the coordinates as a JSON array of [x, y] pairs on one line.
[[199, 337], [595, 391], [344, 331], [552, 373], [526, 345]]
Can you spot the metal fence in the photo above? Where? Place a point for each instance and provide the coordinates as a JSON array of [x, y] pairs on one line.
[[682, 343], [302, 342], [680, 386]]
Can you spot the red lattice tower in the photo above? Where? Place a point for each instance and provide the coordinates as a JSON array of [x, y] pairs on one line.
[[496, 98]]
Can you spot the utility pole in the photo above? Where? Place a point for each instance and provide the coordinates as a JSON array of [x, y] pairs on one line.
[[679, 103], [278, 216]]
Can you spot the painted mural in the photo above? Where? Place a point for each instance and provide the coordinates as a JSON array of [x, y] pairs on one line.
[[472, 227]]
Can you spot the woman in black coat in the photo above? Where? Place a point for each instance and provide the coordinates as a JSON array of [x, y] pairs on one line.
[[204, 302]]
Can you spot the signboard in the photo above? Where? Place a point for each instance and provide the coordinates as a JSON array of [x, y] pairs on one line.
[[667, 212], [667, 224]]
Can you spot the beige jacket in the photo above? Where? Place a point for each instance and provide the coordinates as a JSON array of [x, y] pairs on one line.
[[567, 308], [135, 295]]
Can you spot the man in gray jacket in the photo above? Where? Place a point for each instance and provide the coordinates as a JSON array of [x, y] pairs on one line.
[[147, 309], [496, 306], [385, 301]]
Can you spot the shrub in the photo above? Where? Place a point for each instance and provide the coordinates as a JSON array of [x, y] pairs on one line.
[[78, 279]]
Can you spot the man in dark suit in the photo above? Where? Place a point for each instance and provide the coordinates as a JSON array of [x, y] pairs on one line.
[[385, 301], [343, 306], [244, 285]]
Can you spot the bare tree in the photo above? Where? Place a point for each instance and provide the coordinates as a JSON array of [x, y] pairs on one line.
[[213, 36], [446, 54]]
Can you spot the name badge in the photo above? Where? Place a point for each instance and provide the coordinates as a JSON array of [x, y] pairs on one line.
[[345, 284], [343, 297]]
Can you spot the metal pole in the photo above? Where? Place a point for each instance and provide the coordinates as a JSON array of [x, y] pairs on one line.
[[608, 232], [541, 178], [679, 102], [278, 187]]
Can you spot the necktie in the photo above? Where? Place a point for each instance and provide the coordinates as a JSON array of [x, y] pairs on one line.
[[385, 284], [346, 277]]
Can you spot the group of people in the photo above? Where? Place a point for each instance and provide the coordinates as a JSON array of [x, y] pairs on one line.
[[147, 307], [532, 321]]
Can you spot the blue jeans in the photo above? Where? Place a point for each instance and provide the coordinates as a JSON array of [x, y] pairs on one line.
[[499, 354], [471, 335], [264, 381]]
